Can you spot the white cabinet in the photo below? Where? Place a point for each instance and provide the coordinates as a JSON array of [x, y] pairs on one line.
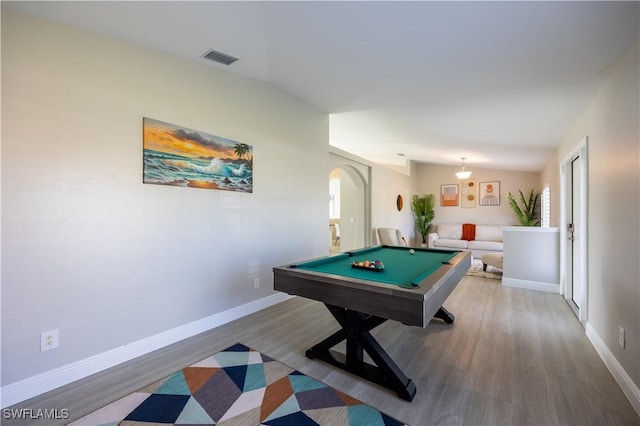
[[531, 258]]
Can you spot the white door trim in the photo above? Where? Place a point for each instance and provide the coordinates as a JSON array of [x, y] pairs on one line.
[[565, 185]]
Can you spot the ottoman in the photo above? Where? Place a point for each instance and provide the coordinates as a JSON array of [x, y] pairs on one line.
[[493, 259]]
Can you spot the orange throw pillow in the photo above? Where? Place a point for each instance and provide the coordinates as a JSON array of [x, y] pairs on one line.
[[468, 231]]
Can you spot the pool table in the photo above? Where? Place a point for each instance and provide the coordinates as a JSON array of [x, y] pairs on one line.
[[410, 286]]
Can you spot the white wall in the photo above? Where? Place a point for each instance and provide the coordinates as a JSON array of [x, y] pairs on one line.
[[431, 177], [388, 184], [355, 190], [90, 250], [334, 191], [523, 243], [382, 186], [351, 210], [611, 123]]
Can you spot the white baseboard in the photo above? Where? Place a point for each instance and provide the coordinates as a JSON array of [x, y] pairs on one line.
[[629, 388], [37, 385], [531, 285]]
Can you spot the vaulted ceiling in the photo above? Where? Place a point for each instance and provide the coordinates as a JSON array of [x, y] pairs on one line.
[[497, 82]]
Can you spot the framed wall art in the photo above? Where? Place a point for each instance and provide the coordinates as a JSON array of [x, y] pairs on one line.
[[490, 193], [449, 195], [178, 156], [469, 193]]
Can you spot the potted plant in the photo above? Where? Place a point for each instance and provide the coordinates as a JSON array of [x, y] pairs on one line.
[[422, 207], [527, 212]]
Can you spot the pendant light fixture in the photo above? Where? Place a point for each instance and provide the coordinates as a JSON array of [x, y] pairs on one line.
[[463, 174]]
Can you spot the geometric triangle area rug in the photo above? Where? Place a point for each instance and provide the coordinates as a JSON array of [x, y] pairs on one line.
[[237, 386]]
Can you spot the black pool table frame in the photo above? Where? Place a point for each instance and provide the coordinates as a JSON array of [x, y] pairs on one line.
[[361, 305]]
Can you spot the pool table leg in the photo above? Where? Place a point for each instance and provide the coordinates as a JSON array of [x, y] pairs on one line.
[[445, 315], [355, 331]]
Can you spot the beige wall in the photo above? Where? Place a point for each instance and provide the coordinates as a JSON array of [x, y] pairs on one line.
[[90, 250], [611, 122], [431, 177]]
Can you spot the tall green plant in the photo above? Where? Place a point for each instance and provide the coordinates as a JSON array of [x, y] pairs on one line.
[[422, 207], [527, 212]]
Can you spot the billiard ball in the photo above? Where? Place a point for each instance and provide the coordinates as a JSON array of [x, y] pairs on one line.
[[412, 251]]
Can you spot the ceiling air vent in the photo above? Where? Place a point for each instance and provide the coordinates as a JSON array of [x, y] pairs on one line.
[[223, 58]]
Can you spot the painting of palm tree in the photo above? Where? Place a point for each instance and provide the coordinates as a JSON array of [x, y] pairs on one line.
[[242, 150], [178, 156]]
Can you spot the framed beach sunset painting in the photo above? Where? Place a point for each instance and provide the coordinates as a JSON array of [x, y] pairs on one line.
[[178, 156]]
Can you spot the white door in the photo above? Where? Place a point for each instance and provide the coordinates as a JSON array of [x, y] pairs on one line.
[[573, 235], [575, 231]]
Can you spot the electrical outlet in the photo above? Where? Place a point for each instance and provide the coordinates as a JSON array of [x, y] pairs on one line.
[[256, 282], [48, 340], [621, 336]]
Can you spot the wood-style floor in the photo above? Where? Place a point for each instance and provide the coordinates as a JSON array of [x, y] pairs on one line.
[[512, 357]]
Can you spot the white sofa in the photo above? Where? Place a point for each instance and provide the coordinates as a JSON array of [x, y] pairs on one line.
[[488, 239]]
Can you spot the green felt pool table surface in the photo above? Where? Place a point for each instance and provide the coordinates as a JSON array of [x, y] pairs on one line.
[[411, 289], [401, 268]]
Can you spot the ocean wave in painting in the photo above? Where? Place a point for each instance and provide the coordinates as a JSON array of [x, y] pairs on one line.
[[169, 169]]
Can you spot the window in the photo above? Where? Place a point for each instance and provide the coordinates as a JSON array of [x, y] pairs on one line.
[[546, 207]]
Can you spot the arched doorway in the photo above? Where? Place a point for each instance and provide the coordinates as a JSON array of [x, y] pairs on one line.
[[348, 222]]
